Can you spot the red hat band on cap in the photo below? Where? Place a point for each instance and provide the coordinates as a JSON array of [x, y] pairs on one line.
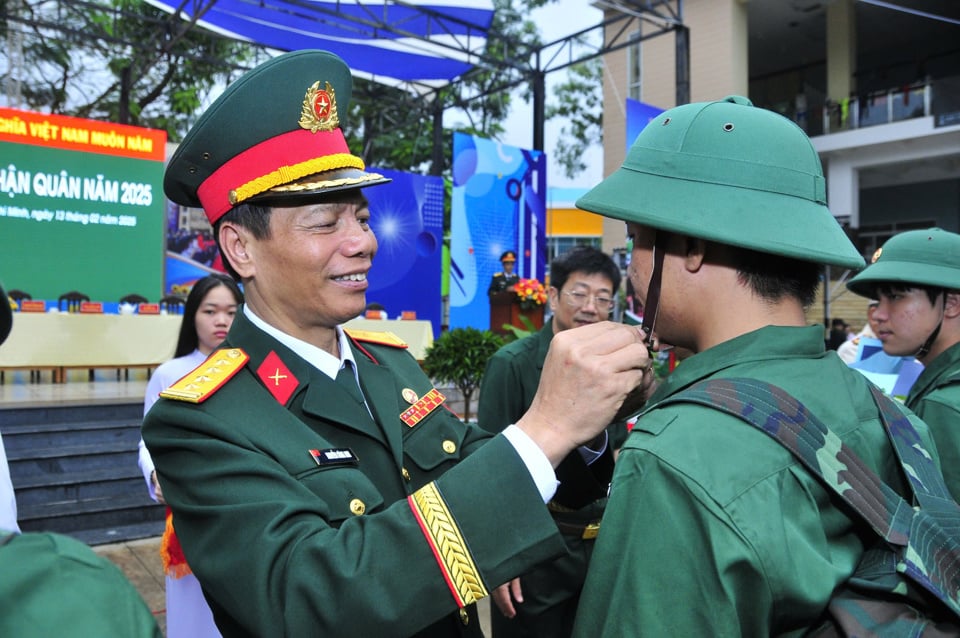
[[274, 162]]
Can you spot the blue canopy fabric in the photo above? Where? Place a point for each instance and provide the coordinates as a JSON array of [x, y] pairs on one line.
[[422, 43]]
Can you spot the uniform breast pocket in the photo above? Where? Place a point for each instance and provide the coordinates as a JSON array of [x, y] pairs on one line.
[[435, 441], [345, 490]]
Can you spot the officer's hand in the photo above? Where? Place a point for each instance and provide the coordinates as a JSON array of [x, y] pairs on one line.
[[588, 373], [505, 594]]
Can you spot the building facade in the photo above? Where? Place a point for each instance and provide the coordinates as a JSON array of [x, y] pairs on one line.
[[875, 85]]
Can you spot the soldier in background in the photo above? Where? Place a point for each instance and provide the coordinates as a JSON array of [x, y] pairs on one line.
[[504, 280], [543, 602], [915, 276]]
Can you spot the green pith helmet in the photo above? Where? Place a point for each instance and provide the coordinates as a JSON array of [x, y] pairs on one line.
[[926, 257], [731, 173], [273, 137]]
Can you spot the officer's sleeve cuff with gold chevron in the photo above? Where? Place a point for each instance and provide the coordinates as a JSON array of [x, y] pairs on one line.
[[448, 546]]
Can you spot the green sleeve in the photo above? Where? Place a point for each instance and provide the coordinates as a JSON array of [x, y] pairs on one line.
[[278, 546], [940, 410], [502, 395]]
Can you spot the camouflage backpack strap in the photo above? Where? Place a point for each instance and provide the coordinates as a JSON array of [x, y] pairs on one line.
[[927, 481], [930, 540]]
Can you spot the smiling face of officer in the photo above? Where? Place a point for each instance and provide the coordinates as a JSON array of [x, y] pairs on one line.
[[309, 274]]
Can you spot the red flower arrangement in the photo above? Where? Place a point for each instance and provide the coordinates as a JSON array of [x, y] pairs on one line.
[[531, 293]]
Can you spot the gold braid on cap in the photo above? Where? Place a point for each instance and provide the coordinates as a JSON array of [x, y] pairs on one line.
[[286, 174]]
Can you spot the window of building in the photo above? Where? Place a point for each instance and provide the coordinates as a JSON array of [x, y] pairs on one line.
[[871, 237], [634, 69]]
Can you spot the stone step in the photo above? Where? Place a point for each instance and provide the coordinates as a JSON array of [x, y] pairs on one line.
[[91, 484], [26, 438], [77, 515]]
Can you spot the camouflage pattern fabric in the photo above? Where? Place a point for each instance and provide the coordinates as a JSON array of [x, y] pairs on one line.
[[908, 582]]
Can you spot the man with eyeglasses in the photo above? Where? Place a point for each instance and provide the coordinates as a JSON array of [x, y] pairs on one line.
[[543, 602]]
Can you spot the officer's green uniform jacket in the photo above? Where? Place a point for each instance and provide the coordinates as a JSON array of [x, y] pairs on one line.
[[935, 397], [715, 529], [285, 545], [550, 591], [54, 585]]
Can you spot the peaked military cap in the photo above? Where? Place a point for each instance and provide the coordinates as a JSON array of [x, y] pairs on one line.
[[922, 257], [508, 256], [273, 137], [732, 173]]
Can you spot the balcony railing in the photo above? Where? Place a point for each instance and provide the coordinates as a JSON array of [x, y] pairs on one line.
[[940, 98]]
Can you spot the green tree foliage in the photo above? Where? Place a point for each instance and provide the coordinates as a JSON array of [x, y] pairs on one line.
[[117, 60], [125, 61], [578, 101], [460, 356]]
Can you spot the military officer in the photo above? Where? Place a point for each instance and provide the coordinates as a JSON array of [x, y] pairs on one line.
[[915, 276], [504, 280], [713, 528], [319, 485], [543, 602]]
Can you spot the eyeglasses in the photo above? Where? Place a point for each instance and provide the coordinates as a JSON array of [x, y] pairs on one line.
[[577, 299]]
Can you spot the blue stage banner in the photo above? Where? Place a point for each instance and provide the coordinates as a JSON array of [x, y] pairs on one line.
[[499, 204], [407, 218], [638, 116]]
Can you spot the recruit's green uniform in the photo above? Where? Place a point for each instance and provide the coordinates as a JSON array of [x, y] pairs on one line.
[[318, 535], [935, 397], [54, 585], [764, 544], [551, 591]]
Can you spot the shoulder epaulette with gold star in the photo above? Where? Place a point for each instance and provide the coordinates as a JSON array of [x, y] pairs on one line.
[[199, 384], [371, 336]]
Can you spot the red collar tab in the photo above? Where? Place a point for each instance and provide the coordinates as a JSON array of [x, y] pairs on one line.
[[277, 378]]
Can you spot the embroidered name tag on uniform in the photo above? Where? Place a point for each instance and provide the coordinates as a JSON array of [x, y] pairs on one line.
[[335, 456], [427, 404]]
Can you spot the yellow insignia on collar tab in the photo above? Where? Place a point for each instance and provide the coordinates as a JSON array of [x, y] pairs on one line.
[[319, 109], [372, 336], [200, 384]]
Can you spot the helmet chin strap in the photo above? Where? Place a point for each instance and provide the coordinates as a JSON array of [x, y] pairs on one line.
[[925, 348], [651, 306]]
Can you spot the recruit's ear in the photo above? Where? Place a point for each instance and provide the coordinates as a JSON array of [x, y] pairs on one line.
[[951, 304]]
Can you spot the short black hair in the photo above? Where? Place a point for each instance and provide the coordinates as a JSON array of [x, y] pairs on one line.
[[773, 277], [585, 259], [886, 288]]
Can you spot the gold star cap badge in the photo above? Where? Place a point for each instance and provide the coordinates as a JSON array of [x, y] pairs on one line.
[[876, 255], [319, 109]]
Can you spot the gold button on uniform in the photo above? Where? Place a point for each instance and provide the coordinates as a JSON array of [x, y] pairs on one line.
[[464, 616], [449, 446], [406, 474], [357, 507]]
